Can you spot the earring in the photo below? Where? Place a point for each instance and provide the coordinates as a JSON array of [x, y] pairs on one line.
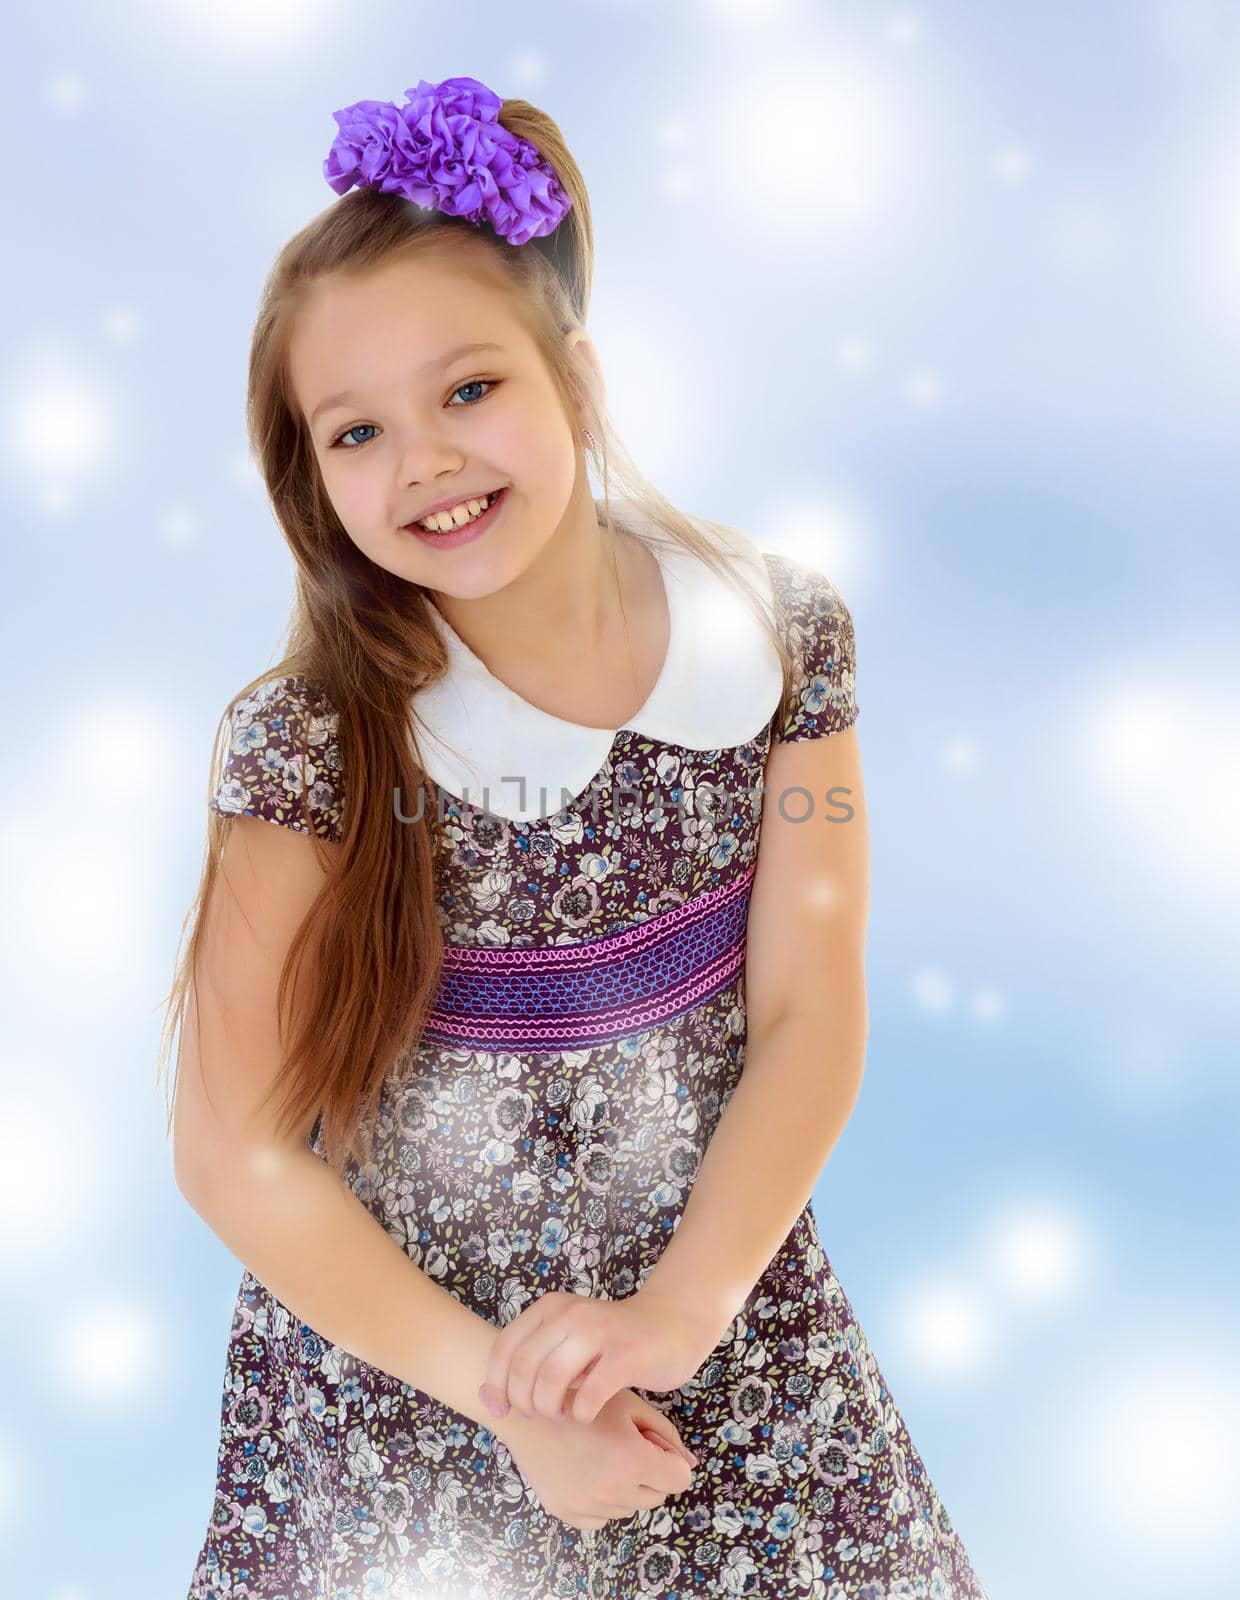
[[589, 437]]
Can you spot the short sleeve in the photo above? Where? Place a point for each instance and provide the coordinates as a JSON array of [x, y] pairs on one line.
[[818, 627], [265, 772]]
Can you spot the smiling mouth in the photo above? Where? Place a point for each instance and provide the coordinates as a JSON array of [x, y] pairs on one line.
[[488, 502], [463, 533]]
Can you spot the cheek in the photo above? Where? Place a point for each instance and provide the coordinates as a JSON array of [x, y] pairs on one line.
[[509, 441], [360, 499], [523, 430], [532, 448]]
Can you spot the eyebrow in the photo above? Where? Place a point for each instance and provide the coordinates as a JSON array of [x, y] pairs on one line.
[[348, 396]]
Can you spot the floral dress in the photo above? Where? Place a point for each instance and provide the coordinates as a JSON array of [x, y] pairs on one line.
[[545, 1133]]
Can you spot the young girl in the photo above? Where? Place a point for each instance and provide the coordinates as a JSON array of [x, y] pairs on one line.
[[552, 968]]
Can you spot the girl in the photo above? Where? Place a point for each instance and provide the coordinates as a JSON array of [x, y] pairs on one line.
[[570, 831]]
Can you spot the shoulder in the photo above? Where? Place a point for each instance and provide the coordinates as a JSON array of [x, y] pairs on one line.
[[283, 758], [803, 592], [818, 627]]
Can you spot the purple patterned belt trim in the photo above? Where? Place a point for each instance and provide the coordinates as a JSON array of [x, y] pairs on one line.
[[566, 997]]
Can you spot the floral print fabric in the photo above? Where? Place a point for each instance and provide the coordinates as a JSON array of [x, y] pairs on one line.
[[505, 1174]]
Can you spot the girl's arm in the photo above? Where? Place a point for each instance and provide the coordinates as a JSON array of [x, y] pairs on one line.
[[287, 1216], [806, 1033], [303, 1233]]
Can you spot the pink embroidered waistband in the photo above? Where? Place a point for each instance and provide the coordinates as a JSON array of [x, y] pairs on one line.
[[566, 997]]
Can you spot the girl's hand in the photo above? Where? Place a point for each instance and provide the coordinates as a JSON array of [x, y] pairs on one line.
[[629, 1459], [602, 1346]]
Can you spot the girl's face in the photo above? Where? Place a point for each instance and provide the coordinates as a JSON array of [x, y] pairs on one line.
[[425, 423]]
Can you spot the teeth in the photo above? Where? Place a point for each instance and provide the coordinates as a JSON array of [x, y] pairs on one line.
[[443, 521]]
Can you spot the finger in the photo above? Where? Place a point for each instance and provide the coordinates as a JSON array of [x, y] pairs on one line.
[[668, 1440], [679, 1449], [495, 1402], [539, 1320], [671, 1470], [561, 1367], [524, 1367], [494, 1385], [604, 1378]]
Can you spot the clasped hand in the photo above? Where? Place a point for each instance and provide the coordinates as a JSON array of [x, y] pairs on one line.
[[560, 1340]]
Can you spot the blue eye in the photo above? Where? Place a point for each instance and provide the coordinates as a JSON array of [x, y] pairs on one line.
[[470, 383]]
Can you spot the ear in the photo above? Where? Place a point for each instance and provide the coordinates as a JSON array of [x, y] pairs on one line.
[[581, 341]]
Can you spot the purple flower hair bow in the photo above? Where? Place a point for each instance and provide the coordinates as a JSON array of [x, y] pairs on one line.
[[447, 151]]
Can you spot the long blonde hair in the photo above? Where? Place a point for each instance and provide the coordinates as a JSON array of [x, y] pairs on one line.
[[365, 637]]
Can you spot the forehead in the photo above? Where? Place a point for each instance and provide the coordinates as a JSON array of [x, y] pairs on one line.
[[369, 334]]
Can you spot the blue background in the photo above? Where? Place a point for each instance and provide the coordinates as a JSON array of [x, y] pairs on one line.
[[944, 298]]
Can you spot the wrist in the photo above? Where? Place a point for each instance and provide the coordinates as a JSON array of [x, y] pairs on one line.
[[703, 1318], [515, 1430]]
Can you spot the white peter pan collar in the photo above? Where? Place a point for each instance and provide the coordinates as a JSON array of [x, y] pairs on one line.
[[719, 687]]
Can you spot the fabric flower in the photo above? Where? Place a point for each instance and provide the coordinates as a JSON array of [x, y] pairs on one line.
[[447, 151]]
